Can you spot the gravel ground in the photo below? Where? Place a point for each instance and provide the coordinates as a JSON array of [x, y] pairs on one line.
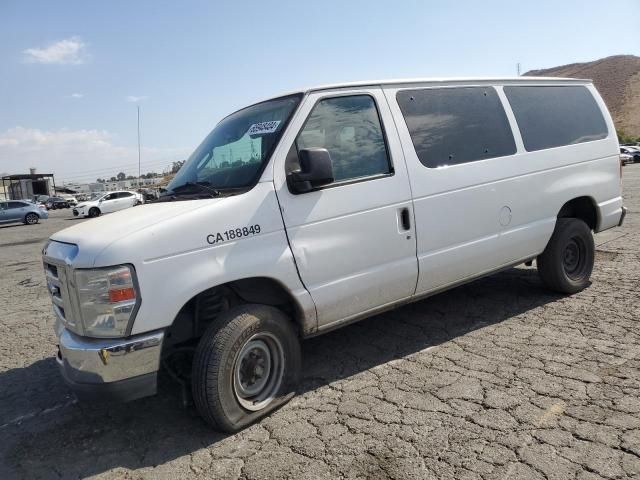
[[497, 379]]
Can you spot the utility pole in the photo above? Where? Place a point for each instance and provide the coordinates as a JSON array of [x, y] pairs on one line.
[[518, 67], [139, 172]]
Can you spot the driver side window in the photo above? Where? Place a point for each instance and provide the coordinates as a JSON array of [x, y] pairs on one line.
[[349, 128]]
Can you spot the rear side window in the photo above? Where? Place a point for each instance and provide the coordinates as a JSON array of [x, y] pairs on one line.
[[449, 126], [554, 116], [17, 204]]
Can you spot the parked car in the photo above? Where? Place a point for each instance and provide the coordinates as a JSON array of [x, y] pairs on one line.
[[107, 203], [140, 198], [633, 152], [13, 211], [37, 202], [341, 202], [626, 159], [71, 200], [54, 203]]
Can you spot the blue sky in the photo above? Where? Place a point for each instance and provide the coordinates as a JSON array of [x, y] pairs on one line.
[[67, 68]]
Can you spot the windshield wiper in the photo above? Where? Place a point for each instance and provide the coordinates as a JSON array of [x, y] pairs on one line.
[[202, 186]]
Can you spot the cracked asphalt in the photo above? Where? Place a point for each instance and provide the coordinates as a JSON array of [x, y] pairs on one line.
[[497, 379]]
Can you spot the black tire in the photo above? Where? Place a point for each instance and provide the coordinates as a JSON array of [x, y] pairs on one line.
[[94, 212], [31, 218], [567, 262], [218, 371]]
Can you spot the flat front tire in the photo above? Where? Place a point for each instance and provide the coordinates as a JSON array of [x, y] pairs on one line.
[[567, 262], [246, 365]]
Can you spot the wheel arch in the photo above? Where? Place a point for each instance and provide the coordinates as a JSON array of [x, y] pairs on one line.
[[584, 208], [197, 313]]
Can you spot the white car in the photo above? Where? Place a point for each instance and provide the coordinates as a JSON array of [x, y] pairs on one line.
[[107, 203], [70, 199], [312, 210]]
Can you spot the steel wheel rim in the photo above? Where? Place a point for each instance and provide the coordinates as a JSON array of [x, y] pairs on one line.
[[574, 258], [258, 371]]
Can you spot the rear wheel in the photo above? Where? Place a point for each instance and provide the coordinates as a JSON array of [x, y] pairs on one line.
[[567, 262], [94, 212], [246, 365], [31, 219]]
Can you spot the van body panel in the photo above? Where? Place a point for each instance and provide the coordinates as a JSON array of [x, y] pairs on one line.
[[476, 216], [174, 259]]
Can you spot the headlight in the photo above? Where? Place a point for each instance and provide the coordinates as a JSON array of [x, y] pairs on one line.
[[108, 299]]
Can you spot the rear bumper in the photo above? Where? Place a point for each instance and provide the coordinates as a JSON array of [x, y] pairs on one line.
[[624, 214], [610, 214], [110, 369]]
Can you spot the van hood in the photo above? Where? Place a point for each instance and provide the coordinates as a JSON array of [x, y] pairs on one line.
[[93, 236]]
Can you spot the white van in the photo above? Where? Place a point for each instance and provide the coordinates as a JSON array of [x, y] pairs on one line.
[[312, 210]]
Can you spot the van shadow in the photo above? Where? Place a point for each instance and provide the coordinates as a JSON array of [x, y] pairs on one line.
[[80, 440]]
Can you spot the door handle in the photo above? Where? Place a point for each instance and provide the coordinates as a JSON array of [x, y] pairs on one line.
[[405, 218]]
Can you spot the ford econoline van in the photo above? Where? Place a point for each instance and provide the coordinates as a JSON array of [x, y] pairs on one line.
[[308, 211]]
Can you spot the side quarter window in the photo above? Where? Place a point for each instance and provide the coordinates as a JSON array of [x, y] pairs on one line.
[[350, 129], [450, 126]]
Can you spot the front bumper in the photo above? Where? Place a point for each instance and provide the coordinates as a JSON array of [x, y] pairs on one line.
[[110, 369]]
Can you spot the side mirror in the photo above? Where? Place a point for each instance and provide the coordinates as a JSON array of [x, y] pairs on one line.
[[316, 170]]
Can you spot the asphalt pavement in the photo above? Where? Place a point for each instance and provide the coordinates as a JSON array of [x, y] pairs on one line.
[[497, 379]]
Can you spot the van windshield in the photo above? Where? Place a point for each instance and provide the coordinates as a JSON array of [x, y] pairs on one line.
[[233, 155]]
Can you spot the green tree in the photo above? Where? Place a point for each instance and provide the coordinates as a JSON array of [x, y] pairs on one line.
[[176, 166], [122, 176]]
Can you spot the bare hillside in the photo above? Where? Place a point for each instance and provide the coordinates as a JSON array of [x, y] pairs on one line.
[[617, 79]]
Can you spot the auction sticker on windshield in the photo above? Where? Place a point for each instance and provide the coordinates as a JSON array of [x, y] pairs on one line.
[[263, 127]]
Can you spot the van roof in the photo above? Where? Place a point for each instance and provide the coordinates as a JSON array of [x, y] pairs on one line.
[[416, 82]]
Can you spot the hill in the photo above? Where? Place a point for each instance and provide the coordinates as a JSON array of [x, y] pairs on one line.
[[617, 78]]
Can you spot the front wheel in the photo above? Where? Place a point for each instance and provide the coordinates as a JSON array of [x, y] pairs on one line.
[[94, 212], [31, 219], [567, 262], [246, 365]]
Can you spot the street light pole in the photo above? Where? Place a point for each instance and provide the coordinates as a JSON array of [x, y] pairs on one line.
[[139, 172]]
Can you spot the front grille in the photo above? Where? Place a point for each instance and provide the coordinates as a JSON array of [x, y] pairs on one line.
[[58, 287]]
